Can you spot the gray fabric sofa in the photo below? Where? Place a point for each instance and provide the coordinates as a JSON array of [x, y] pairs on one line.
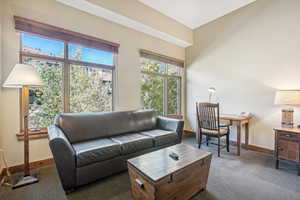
[[87, 147]]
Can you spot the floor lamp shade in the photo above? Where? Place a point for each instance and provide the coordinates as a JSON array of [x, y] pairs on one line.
[[290, 98], [24, 76]]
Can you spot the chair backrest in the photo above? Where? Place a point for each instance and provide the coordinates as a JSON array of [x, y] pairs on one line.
[[208, 116]]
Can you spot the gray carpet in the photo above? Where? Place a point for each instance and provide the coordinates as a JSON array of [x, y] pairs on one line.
[[249, 177]]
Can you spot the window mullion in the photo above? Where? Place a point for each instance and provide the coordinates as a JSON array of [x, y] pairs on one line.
[[179, 89], [165, 106], [66, 79], [165, 96], [114, 83]]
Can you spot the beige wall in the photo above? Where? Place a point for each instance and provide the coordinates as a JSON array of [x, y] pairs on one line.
[[51, 12], [1, 22], [247, 55], [142, 13]]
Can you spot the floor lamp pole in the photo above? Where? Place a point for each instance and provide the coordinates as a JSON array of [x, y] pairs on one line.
[[27, 179], [25, 103]]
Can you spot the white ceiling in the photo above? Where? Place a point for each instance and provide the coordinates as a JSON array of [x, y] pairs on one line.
[[194, 13], [102, 12]]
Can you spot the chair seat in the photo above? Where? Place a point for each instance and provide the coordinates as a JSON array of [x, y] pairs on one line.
[[133, 142], [225, 123], [161, 137], [89, 152], [223, 131]]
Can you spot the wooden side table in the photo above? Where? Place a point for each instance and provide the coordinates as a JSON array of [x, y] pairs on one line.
[[287, 146], [239, 121]]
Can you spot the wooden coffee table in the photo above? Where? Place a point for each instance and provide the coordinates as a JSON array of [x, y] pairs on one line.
[[156, 176]]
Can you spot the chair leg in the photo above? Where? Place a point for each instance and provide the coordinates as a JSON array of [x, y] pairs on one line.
[[207, 140], [219, 146], [69, 191], [200, 140], [228, 142]]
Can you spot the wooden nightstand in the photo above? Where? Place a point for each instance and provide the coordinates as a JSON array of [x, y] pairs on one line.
[[287, 145]]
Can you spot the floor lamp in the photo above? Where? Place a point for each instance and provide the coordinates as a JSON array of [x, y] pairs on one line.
[[24, 76]]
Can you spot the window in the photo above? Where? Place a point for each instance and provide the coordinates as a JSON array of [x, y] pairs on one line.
[[77, 52], [161, 83], [77, 78], [45, 103], [153, 92], [90, 89], [35, 45]]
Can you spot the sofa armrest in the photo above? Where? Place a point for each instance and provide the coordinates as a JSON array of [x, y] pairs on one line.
[[64, 156], [171, 124]]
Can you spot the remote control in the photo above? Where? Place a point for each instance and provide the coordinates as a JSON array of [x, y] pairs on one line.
[[174, 156]]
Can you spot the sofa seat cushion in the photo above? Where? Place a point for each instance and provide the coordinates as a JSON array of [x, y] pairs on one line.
[[161, 137], [92, 151], [133, 142]]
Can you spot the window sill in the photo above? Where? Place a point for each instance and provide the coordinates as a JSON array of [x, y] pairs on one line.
[[43, 133], [175, 116]]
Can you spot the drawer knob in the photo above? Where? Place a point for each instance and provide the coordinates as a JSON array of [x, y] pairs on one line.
[[280, 148], [140, 183], [287, 135]]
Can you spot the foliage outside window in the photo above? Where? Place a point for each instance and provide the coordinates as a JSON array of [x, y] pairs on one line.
[[45, 103], [77, 78], [90, 89], [161, 86]]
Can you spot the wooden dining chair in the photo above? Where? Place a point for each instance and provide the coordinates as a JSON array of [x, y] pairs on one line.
[[208, 118]]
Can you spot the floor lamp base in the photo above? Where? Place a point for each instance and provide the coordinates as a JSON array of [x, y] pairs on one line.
[[26, 180]]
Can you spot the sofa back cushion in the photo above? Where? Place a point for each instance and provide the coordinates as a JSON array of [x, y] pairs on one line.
[[79, 127], [144, 120]]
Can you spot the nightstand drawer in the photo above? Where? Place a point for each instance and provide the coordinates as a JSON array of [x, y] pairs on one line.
[[287, 145], [288, 136], [288, 150]]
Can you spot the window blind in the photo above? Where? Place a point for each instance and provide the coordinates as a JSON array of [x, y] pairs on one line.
[[53, 32], [155, 56]]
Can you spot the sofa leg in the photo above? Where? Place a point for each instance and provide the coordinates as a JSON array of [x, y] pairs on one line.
[[69, 191]]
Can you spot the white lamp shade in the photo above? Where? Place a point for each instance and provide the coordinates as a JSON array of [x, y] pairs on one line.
[[23, 76], [287, 97], [212, 90]]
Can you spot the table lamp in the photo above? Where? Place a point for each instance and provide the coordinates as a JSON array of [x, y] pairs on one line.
[[288, 98], [24, 76], [211, 91]]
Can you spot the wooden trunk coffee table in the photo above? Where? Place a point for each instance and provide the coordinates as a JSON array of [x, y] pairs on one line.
[[156, 176]]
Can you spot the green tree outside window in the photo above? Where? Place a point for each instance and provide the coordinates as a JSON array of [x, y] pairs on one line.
[[161, 87]]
